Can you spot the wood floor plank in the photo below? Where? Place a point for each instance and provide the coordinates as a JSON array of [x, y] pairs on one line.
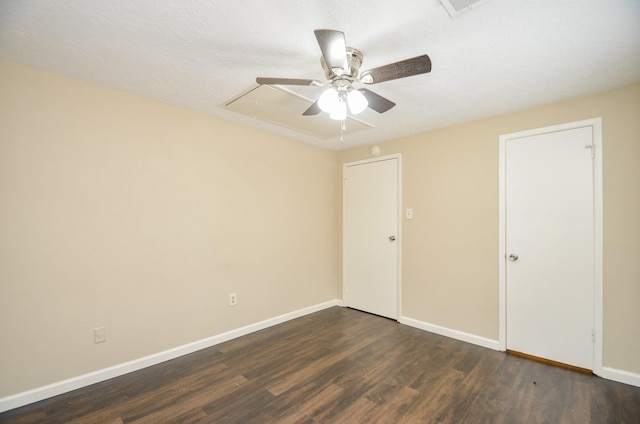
[[343, 366], [355, 411], [312, 408], [394, 408], [319, 366]]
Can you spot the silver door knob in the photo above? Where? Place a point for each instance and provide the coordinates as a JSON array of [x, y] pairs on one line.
[[513, 257], [392, 238]]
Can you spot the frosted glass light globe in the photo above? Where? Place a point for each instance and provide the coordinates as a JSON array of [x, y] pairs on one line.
[[327, 100], [339, 111], [357, 101]]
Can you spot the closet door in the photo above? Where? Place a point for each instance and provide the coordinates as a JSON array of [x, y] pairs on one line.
[[371, 239], [550, 246]]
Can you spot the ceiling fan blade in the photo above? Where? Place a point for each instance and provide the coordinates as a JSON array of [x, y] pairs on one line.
[[376, 101], [287, 81], [404, 68], [334, 48], [314, 109]]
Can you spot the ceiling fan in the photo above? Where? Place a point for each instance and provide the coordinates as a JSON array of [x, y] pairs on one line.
[[341, 65]]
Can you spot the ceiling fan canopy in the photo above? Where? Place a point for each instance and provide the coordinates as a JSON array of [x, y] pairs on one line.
[[341, 65]]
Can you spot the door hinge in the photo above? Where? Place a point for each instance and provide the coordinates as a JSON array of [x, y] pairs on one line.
[[593, 150], [593, 335]]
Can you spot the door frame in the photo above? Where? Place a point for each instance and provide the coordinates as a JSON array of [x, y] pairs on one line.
[[596, 125], [398, 158]]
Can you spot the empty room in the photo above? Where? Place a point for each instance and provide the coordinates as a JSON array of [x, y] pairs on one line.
[[348, 211]]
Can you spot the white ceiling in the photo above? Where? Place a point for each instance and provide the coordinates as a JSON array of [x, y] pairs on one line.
[[501, 56]]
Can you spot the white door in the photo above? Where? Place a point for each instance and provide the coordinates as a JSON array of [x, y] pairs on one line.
[[550, 246], [371, 239]]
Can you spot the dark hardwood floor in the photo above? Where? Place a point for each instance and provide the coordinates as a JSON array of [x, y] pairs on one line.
[[343, 366]]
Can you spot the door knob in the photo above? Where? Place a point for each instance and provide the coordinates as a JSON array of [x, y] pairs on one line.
[[392, 238], [513, 257]]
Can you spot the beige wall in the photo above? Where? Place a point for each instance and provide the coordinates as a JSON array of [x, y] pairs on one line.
[[450, 263], [119, 211]]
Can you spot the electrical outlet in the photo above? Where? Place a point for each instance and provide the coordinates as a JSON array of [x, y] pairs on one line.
[[233, 299], [99, 334]]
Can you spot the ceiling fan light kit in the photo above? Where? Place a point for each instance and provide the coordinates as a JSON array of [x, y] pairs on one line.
[[335, 100], [341, 65]]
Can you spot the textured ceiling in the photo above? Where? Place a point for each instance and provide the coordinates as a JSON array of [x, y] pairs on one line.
[[501, 56]]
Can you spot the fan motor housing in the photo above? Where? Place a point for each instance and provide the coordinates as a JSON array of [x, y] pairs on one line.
[[354, 60]]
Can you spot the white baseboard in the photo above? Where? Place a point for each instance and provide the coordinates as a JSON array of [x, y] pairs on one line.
[[620, 376], [454, 334], [58, 388], [613, 374]]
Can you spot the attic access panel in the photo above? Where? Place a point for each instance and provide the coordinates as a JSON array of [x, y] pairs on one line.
[[456, 7], [278, 106]]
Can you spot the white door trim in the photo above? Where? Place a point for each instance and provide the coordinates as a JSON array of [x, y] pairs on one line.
[[398, 157], [596, 125]]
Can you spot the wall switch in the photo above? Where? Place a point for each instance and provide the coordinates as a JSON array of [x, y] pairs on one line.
[[233, 299], [99, 334], [408, 213]]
